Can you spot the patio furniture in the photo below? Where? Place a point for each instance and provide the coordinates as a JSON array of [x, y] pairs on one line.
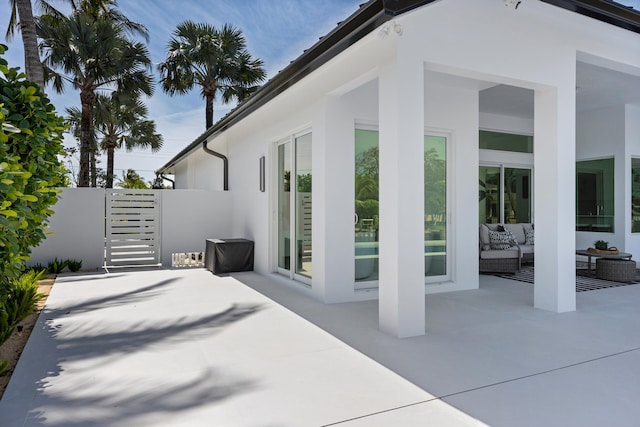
[[617, 270], [589, 254], [228, 255], [507, 259]]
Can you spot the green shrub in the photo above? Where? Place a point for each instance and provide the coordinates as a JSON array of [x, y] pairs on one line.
[[74, 265], [56, 266], [30, 170], [22, 297]]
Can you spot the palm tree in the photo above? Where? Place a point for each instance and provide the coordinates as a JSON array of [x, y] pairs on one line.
[[33, 67], [131, 179], [93, 54], [216, 60], [120, 122]]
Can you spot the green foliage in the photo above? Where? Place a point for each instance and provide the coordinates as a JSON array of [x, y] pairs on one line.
[[22, 296], [131, 179], [30, 141], [18, 298], [215, 59], [74, 265], [304, 183], [56, 266], [601, 244]]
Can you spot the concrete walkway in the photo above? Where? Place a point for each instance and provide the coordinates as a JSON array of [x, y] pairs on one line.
[[491, 354], [186, 348]]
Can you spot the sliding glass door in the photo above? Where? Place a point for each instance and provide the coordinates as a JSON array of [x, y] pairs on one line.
[[366, 220], [505, 194], [294, 207]]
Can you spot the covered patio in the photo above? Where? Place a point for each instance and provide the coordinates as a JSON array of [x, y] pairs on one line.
[[184, 347]]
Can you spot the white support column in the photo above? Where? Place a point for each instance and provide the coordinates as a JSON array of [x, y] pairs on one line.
[[554, 169], [401, 284], [333, 201]]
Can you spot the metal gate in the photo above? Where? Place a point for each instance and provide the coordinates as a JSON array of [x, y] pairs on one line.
[[132, 228]]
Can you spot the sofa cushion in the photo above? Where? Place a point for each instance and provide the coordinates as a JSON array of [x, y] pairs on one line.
[[529, 237], [527, 249], [517, 230], [500, 254], [501, 240], [485, 243]]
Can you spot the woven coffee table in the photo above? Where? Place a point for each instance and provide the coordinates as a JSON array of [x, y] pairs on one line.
[[588, 254], [617, 270]]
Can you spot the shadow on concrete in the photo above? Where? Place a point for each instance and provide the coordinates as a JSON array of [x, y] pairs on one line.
[[138, 294], [126, 396], [122, 401]]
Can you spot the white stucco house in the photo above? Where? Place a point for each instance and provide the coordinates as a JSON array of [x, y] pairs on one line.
[[403, 115]]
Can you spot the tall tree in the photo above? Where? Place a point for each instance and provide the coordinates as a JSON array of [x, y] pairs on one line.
[[216, 60], [93, 53], [120, 122], [22, 15], [131, 179]]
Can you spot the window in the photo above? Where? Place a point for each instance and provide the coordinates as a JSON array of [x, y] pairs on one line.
[[505, 142], [505, 195], [366, 205], [635, 195], [435, 207], [594, 195]]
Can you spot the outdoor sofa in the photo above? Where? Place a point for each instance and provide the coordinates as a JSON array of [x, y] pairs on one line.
[[505, 247]]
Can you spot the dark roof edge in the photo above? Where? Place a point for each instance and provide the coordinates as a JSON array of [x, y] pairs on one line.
[[603, 10], [362, 22]]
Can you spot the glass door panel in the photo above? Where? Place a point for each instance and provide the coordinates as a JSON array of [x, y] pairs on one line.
[[435, 206], [284, 205], [490, 194], [517, 188], [366, 205], [303, 246]]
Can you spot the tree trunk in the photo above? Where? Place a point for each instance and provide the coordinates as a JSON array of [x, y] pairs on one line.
[[33, 66], [94, 168], [87, 98], [110, 155], [209, 111]]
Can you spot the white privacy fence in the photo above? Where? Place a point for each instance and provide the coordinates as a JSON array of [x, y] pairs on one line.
[[184, 220]]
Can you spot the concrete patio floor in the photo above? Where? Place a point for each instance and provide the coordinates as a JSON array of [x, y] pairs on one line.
[[184, 347]]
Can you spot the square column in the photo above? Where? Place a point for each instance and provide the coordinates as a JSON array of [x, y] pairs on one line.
[[333, 211], [554, 166], [401, 272]]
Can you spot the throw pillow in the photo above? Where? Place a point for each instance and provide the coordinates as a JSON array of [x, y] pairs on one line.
[[501, 240], [529, 237]]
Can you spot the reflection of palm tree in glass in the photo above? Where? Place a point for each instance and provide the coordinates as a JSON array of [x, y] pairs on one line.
[[435, 195], [510, 177], [366, 186]]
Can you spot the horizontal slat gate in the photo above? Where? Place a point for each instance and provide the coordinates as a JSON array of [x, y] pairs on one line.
[[132, 228]]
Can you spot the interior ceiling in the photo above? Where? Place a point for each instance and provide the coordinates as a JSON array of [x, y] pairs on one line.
[[596, 87]]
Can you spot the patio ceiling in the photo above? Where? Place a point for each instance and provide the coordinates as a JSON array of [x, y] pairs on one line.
[[596, 87]]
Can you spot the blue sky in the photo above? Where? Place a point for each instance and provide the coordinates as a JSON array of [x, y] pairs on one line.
[[276, 31]]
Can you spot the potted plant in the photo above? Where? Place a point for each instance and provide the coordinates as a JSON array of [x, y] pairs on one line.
[[601, 245]]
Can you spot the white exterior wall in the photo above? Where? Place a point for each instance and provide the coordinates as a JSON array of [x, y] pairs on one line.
[[601, 134], [632, 144], [188, 218], [77, 228]]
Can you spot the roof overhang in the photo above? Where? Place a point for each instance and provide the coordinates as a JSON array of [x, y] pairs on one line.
[[370, 16]]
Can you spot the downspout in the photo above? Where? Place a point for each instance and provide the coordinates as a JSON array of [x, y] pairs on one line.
[[173, 183], [224, 160]]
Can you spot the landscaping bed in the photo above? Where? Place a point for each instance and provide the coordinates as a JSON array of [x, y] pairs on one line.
[[12, 348]]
